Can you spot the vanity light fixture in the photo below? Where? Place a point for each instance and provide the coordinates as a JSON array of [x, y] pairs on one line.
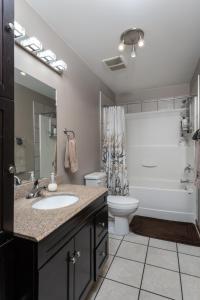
[[47, 56], [19, 31], [32, 44], [132, 37], [59, 65]]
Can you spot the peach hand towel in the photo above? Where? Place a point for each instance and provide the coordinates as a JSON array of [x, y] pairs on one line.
[[66, 163], [73, 159]]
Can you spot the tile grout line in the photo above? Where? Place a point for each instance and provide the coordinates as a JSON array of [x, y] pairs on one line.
[[140, 262], [132, 286], [145, 263], [179, 272], [150, 246], [109, 266], [99, 288], [162, 296], [189, 254], [143, 269]]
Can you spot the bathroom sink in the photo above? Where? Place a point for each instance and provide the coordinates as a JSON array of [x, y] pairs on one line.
[[56, 201]]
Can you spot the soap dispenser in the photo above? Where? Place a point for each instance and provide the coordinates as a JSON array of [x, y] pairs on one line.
[[32, 176], [52, 187]]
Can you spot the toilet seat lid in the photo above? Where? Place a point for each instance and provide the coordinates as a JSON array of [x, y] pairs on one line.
[[122, 200]]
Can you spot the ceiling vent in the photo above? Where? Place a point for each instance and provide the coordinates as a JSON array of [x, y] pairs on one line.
[[115, 63]]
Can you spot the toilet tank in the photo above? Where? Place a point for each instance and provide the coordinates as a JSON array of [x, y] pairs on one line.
[[96, 179]]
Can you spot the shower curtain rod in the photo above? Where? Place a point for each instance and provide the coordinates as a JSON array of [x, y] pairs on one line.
[[156, 100]]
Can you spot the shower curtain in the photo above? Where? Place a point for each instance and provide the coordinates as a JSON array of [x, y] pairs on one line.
[[114, 150]]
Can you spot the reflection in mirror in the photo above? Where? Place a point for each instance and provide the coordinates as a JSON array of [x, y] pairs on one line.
[[35, 128]]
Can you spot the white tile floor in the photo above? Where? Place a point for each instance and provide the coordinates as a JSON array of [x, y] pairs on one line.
[[142, 268]]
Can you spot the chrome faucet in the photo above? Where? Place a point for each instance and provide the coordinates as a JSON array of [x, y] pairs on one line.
[[36, 190], [17, 180]]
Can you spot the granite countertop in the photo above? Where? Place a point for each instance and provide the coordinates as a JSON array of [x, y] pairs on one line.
[[35, 224]]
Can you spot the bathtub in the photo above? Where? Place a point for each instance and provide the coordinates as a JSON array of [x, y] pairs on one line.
[[165, 200]]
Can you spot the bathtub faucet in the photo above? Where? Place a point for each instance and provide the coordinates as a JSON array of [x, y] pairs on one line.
[[188, 168], [185, 181]]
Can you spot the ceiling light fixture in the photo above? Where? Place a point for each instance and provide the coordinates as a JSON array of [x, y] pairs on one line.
[[132, 37], [19, 31], [32, 44], [47, 56]]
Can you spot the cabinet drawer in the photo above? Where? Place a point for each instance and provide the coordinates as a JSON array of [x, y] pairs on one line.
[[101, 255], [101, 224]]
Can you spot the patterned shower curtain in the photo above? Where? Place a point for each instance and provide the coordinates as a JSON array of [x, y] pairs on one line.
[[114, 150]]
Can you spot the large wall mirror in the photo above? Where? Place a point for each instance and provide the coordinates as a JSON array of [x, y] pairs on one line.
[[35, 128]]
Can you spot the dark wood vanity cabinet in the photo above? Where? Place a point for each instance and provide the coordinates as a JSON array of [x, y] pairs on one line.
[[56, 278], [6, 49], [7, 242], [65, 264], [6, 115], [69, 273], [6, 161]]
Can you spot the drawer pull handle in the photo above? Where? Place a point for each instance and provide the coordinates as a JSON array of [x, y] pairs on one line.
[[103, 254], [102, 224], [72, 260], [78, 254]]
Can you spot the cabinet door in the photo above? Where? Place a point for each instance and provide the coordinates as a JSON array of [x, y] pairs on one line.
[[6, 50], [56, 278], [6, 160], [84, 274]]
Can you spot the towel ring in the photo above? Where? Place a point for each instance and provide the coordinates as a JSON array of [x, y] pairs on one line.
[[69, 132]]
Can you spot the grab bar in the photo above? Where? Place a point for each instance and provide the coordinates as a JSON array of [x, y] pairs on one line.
[[149, 166]]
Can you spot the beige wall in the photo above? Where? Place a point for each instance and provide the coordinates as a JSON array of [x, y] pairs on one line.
[[171, 91], [77, 92], [193, 83]]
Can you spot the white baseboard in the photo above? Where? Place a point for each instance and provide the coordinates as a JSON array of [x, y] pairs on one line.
[[166, 215]]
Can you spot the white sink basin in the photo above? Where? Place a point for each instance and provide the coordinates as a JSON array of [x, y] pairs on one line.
[[57, 201]]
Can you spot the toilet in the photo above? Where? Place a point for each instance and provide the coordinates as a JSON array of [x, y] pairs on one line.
[[120, 207]]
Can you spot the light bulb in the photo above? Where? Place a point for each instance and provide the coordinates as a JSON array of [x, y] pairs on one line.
[[121, 46], [23, 73], [133, 54], [47, 56], [19, 31], [32, 44], [59, 65], [141, 42]]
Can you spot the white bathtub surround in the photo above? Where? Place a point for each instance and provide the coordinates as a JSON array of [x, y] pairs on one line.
[[165, 203], [114, 150], [156, 162]]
